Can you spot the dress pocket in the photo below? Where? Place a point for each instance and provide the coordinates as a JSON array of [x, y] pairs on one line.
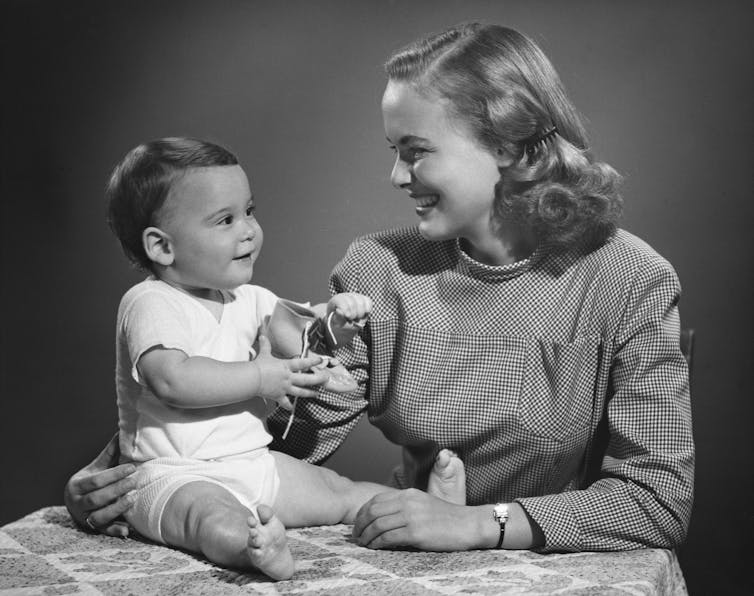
[[557, 393]]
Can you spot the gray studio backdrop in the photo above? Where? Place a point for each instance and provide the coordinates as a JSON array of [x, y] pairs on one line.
[[293, 88]]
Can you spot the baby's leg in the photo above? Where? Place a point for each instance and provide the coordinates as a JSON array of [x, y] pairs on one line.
[[447, 479], [311, 495], [206, 518]]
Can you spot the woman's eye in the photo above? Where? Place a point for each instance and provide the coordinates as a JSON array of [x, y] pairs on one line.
[[414, 154]]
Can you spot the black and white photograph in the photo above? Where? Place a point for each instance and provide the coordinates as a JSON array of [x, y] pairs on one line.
[[376, 297]]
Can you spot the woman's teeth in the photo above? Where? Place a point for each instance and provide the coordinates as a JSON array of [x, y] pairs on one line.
[[427, 201]]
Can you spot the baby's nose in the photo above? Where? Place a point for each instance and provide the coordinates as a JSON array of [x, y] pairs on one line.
[[248, 232]]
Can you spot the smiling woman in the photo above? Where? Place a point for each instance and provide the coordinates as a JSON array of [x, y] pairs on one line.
[[514, 322], [442, 166]]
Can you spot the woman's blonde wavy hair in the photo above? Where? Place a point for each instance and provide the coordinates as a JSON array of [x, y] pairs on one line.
[[504, 87]]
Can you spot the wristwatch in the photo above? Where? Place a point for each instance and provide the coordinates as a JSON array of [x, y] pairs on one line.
[[500, 515]]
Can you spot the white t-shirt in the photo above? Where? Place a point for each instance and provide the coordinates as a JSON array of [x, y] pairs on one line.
[[152, 313]]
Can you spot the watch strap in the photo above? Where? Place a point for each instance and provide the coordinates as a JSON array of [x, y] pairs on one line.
[[500, 515]]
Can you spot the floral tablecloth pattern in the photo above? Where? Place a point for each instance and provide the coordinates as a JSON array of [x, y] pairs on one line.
[[44, 553]]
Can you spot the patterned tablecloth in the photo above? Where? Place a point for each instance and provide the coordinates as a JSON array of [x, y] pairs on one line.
[[44, 553]]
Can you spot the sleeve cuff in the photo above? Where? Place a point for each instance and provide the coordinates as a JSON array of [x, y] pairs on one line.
[[554, 516]]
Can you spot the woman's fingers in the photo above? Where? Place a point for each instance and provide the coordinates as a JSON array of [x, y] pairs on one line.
[[389, 539], [103, 497], [105, 519], [117, 529], [384, 531], [381, 505], [97, 500], [410, 518], [106, 478]]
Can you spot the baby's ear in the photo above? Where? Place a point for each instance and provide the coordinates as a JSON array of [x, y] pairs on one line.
[[157, 246]]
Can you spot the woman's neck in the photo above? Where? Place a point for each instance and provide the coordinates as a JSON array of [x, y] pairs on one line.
[[503, 247]]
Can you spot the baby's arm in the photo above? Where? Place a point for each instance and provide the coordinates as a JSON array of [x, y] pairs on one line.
[[199, 382]]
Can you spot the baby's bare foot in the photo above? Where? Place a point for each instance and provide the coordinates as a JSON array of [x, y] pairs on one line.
[[447, 479], [267, 545]]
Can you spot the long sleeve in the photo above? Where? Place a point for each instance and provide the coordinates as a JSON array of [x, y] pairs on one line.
[[321, 424], [558, 380], [644, 491]]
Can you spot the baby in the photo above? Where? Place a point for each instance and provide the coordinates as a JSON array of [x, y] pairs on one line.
[[193, 392]]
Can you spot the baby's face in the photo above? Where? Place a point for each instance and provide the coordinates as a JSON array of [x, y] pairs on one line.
[[215, 238]]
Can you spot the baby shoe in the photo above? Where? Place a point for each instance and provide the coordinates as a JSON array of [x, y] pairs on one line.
[[295, 330]]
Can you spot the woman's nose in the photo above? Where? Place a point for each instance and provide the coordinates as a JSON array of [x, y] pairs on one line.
[[401, 174]]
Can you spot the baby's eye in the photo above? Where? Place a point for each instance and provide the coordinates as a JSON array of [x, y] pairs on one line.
[[250, 210], [226, 221]]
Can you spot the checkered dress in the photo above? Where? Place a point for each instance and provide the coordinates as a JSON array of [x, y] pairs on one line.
[[558, 380]]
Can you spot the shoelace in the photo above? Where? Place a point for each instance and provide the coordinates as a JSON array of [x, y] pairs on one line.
[[304, 354]]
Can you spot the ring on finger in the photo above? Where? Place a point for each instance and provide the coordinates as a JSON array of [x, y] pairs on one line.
[[91, 525]]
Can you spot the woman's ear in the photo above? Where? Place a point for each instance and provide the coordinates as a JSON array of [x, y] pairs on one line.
[[157, 246], [504, 159]]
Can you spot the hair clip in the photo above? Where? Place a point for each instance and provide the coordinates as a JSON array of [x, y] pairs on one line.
[[539, 141]]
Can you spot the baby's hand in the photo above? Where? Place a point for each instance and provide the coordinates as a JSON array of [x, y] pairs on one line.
[[280, 379], [351, 311]]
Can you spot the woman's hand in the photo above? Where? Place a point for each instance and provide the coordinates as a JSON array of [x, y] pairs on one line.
[[349, 315], [414, 518], [98, 494]]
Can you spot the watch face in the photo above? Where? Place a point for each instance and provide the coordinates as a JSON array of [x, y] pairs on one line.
[[500, 512]]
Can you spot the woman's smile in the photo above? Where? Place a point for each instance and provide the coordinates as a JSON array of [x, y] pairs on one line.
[[425, 202]]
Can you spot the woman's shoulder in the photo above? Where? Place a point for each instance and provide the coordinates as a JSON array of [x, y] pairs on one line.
[[399, 243], [628, 248], [627, 257], [394, 237], [394, 255]]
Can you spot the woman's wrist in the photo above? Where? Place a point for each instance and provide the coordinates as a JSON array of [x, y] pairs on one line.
[[521, 531], [487, 530]]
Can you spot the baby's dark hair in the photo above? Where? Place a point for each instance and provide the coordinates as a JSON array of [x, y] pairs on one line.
[[140, 183]]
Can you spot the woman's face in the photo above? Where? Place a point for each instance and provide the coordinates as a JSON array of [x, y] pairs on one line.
[[450, 176]]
